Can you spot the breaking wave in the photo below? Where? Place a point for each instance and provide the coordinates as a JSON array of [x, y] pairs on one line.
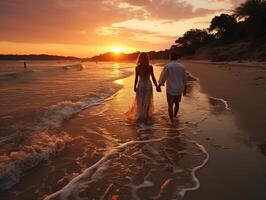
[[74, 67], [35, 149], [15, 75]]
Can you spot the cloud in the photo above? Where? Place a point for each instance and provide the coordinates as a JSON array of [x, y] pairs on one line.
[[98, 23], [56, 21], [169, 9], [67, 21], [136, 34], [233, 2]]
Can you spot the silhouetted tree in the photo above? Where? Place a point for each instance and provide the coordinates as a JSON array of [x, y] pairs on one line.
[[224, 26], [254, 14], [194, 38]]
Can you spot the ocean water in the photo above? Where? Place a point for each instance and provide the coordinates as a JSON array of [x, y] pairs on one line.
[[64, 135]]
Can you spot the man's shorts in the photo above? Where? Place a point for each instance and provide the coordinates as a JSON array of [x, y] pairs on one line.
[[171, 98]]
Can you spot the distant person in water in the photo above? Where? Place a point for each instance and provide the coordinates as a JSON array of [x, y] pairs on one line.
[[174, 74], [142, 108], [25, 65]]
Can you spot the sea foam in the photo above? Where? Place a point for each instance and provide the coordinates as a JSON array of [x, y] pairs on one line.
[[98, 171], [37, 148], [41, 144]]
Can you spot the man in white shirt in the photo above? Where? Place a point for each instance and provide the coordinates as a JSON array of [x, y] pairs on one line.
[[174, 74]]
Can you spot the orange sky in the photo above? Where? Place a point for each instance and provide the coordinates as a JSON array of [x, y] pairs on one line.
[[87, 27]]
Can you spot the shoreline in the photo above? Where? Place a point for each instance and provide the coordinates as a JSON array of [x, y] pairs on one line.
[[207, 116], [243, 87], [240, 86]]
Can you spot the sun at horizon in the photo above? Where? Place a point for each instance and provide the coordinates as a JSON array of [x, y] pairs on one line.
[[117, 49]]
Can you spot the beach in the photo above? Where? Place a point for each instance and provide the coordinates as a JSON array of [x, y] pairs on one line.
[[83, 116], [81, 146], [238, 162], [243, 85]]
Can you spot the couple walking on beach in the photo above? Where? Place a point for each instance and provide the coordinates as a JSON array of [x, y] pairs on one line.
[[174, 74]]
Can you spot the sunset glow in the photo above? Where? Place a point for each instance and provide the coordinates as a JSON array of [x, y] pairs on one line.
[[132, 99], [85, 28], [117, 49]]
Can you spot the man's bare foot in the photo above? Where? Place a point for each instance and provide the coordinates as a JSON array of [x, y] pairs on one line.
[[174, 124], [172, 120], [178, 115]]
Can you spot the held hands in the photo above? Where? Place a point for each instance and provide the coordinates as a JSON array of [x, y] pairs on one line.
[[158, 88]]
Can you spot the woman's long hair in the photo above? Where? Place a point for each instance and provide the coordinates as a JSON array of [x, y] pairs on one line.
[[143, 60]]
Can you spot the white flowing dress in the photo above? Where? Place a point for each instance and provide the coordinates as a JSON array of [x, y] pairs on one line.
[[143, 107]]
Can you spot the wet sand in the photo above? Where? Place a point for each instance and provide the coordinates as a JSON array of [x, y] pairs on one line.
[[243, 86], [236, 169], [110, 157]]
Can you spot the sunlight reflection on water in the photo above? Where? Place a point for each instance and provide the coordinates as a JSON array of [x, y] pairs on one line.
[[119, 82], [116, 68]]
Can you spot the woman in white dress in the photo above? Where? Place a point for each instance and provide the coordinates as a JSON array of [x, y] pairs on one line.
[[143, 108]]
